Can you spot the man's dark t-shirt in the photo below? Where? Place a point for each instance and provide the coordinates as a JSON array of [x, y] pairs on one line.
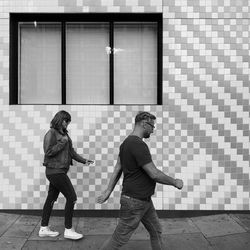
[[134, 153]]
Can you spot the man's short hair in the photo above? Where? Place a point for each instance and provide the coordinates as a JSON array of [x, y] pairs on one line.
[[144, 116]]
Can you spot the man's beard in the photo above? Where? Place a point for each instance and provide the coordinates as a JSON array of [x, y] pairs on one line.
[[146, 135]]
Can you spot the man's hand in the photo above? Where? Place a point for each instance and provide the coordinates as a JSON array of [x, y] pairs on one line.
[[178, 183], [103, 197]]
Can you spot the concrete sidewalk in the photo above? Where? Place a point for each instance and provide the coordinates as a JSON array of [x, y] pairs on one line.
[[222, 231]]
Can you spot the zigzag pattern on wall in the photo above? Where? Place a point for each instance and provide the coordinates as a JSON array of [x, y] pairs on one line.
[[202, 128]]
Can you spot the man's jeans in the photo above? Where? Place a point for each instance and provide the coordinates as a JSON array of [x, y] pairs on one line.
[[132, 212]]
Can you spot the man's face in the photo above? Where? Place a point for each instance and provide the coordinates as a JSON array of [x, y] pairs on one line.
[[148, 128]]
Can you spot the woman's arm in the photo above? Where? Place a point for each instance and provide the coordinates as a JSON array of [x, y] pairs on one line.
[[51, 145]]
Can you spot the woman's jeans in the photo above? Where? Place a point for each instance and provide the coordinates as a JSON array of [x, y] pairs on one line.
[[132, 212], [59, 183]]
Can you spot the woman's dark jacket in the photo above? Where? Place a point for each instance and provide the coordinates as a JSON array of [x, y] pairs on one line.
[[58, 152]]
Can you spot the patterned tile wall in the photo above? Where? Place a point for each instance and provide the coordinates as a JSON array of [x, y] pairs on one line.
[[202, 133], [206, 94]]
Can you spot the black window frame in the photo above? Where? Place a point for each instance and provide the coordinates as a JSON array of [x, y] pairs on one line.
[[63, 18]]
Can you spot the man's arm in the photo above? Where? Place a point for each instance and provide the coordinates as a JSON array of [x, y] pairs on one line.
[[160, 177], [112, 182]]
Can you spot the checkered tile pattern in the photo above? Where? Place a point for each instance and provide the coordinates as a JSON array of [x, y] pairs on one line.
[[206, 95], [85, 6], [206, 9], [202, 131]]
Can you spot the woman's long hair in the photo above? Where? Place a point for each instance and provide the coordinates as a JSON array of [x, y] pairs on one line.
[[58, 119]]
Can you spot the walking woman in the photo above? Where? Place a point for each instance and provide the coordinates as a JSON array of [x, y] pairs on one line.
[[59, 153]]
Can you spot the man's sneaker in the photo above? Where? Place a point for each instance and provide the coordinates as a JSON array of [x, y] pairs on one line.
[[45, 231], [72, 234]]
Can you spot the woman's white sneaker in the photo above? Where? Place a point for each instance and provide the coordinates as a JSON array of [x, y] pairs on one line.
[[45, 231], [72, 234]]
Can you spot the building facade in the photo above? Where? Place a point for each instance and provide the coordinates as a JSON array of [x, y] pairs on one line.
[[202, 127]]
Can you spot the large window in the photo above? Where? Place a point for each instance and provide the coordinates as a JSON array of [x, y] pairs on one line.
[[85, 58]]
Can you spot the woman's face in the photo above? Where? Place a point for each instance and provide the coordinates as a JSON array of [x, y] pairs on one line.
[[65, 124]]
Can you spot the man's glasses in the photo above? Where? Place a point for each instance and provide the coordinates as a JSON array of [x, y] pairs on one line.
[[152, 126]]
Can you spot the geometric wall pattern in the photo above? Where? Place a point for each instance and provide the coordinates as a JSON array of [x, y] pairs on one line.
[[206, 94], [202, 129]]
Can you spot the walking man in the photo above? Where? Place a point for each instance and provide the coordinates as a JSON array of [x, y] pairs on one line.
[[140, 177]]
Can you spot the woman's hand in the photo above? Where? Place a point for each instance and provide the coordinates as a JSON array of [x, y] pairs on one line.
[[88, 162], [64, 138]]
